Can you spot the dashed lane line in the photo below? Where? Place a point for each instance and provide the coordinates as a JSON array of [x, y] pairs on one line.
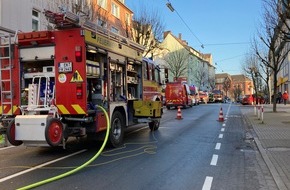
[[218, 146], [214, 160], [207, 183]]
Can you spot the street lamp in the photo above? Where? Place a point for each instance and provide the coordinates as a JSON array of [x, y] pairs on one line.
[[170, 7]]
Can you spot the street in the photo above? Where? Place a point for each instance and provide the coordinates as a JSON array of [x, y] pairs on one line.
[[195, 152]]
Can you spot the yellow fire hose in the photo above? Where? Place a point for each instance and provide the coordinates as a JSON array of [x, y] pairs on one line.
[[81, 166]]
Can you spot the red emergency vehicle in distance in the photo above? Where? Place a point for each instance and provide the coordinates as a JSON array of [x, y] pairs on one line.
[[178, 94], [203, 97]]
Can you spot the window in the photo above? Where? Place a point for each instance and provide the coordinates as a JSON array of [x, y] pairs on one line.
[[102, 3], [35, 20], [115, 30], [157, 75], [127, 19], [102, 23], [115, 10]]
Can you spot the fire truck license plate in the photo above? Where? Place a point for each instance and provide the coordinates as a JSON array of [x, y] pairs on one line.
[[65, 67]]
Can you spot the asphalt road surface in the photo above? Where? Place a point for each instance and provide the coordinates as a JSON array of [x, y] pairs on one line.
[[196, 152]]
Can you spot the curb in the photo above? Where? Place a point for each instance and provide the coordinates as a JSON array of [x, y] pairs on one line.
[[279, 182]]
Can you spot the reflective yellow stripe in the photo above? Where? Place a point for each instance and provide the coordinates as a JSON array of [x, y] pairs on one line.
[[63, 109], [78, 109], [9, 111], [15, 108], [1, 110]]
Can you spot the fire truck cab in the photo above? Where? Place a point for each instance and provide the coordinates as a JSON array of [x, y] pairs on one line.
[[51, 82]]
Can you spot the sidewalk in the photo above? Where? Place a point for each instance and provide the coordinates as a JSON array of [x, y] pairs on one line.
[[273, 140]]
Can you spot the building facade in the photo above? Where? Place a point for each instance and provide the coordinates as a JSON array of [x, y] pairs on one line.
[[112, 15], [198, 67], [240, 85]]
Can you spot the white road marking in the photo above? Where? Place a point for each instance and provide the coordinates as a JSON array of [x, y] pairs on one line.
[[222, 129], [221, 136], [207, 183], [218, 146], [214, 160], [224, 124], [40, 166]]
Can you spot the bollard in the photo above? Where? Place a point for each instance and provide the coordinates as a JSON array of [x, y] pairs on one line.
[[259, 113], [255, 110], [262, 114]]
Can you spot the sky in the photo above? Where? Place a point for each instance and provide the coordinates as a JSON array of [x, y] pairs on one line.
[[224, 27]]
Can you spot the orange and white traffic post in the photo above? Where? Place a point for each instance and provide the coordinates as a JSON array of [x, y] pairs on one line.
[[179, 116], [221, 115]]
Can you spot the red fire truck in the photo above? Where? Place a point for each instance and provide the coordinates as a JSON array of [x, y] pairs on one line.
[[178, 94], [51, 82]]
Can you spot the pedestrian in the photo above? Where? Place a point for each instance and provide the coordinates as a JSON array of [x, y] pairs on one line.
[[285, 97], [279, 97]]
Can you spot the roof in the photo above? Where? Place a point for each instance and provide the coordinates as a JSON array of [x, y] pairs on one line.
[[240, 77], [222, 75]]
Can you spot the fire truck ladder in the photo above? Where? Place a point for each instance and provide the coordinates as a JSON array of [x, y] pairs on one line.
[[6, 73]]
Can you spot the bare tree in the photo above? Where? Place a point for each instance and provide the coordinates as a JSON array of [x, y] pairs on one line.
[[147, 29], [237, 91], [273, 37], [200, 74], [252, 69], [177, 62], [227, 85], [211, 82]]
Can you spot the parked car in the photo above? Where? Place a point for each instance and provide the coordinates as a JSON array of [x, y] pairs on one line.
[[194, 95], [247, 100], [218, 96], [251, 99], [203, 97]]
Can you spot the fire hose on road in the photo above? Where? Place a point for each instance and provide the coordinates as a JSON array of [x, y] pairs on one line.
[[81, 166]]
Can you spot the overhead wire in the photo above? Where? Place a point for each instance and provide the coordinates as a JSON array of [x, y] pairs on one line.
[[216, 62], [172, 9], [229, 43]]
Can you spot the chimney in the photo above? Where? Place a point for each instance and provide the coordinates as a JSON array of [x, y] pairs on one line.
[[165, 34], [180, 36]]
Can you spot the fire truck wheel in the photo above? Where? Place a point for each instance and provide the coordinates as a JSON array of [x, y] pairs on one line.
[[117, 130], [54, 132], [11, 134], [154, 125]]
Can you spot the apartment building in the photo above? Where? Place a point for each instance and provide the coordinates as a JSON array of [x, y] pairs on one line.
[[196, 61], [112, 15]]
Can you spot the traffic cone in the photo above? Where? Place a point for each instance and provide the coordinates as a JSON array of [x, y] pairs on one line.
[[221, 115], [178, 116]]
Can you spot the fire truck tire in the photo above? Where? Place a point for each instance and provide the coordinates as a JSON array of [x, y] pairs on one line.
[[154, 125], [54, 132], [117, 130], [10, 133]]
